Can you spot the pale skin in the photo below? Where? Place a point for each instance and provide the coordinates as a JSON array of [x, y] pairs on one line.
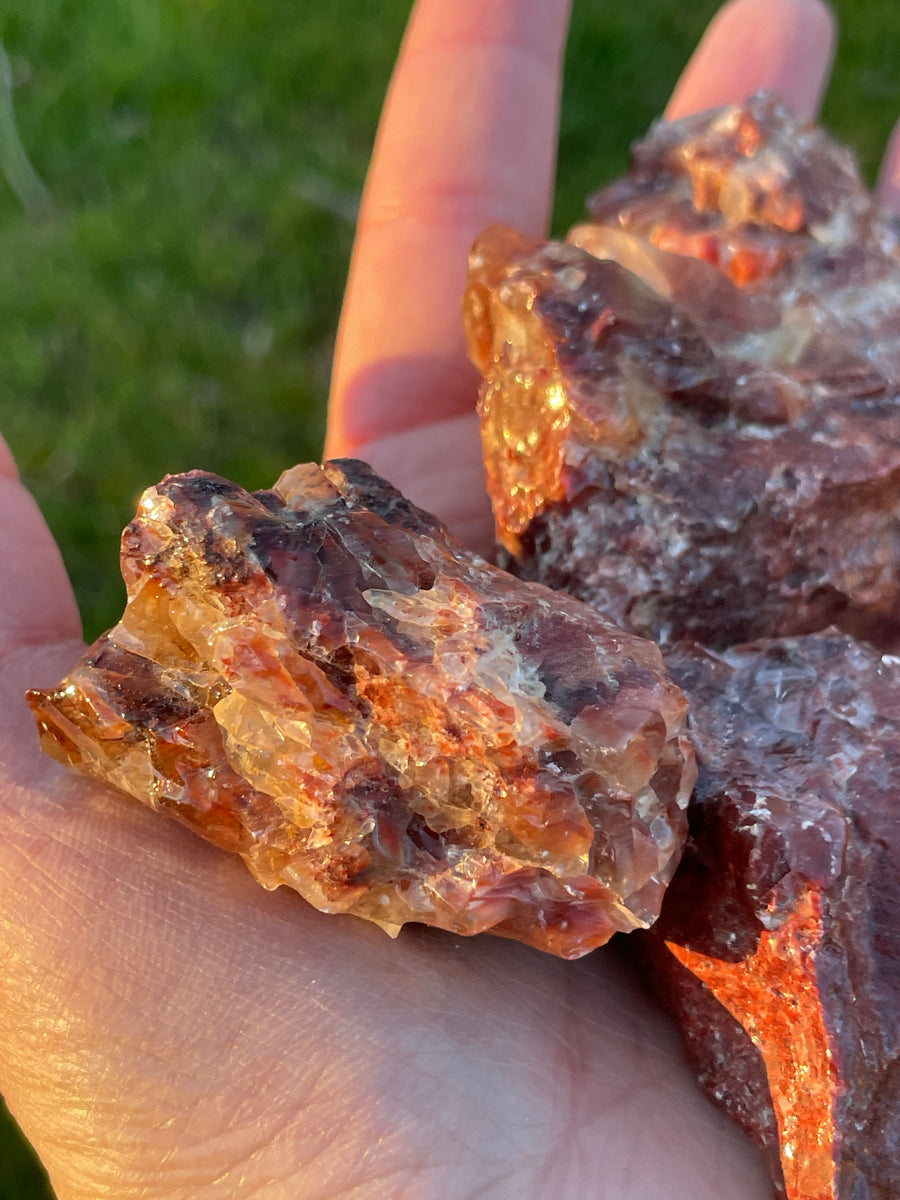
[[168, 1029]]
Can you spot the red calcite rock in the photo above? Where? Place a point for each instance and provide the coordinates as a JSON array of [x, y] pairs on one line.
[[696, 447], [779, 944], [320, 679], [690, 419]]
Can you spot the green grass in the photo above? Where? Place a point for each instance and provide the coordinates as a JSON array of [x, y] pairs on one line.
[[178, 306]]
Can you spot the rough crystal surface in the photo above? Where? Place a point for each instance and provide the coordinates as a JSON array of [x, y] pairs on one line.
[[320, 679], [778, 944], [690, 419], [699, 431]]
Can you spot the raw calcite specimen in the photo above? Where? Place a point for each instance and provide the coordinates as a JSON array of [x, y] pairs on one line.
[[319, 678], [779, 940], [706, 441]]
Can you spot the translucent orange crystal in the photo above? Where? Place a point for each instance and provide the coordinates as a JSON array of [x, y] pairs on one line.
[[774, 995], [320, 679]]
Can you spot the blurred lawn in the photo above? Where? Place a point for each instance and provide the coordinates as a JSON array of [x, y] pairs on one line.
[[204, 158]]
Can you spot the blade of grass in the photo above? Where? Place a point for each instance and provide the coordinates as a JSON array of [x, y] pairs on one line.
[[14, 162]]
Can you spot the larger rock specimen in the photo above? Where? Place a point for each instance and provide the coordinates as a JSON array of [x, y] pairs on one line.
[[320, 679], [779, 941], [691, 419], [704, 441]]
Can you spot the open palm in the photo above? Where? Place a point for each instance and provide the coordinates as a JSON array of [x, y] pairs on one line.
[[169, 1030]]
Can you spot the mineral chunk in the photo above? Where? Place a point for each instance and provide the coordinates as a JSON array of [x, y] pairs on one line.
[[320, 679], [690, 419], [779, 944], [699, 432]]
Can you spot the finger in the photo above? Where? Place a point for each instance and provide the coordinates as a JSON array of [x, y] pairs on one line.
[[888, 188], [36, 600], [467, 137], [785, 46]]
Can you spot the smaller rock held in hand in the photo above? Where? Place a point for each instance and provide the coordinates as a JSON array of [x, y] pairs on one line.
[[320, 679]]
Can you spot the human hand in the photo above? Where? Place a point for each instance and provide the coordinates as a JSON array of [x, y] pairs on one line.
[[166, 1028]]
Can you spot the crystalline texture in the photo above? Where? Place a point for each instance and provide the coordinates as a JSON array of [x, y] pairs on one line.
[[320, 679], [690, 419], [695, 448], [779, 945]]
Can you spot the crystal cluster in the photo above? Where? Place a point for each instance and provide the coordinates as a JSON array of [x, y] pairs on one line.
[[691, 419], [320, 679], [699, 433]]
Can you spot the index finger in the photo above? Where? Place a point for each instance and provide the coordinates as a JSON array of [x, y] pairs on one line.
[[467, 138]]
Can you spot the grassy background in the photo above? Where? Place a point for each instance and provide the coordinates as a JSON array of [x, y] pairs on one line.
[[203, 158]]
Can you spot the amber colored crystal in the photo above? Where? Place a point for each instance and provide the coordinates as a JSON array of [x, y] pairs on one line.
[[778, 945], [320, 679], [695, 426], [773, 995]]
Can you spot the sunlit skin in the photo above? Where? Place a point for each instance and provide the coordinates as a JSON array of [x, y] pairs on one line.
[[168, 1029]]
